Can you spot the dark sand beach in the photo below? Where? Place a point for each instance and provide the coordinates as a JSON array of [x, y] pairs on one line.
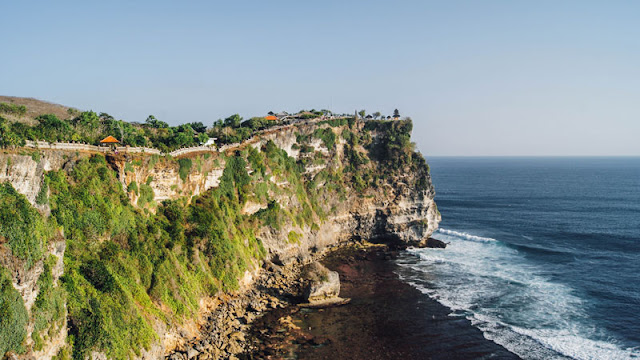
[[386, 319]]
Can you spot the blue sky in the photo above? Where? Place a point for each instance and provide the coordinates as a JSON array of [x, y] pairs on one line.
[[477, 77]]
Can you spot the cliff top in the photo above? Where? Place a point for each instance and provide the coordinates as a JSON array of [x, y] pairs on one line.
[[24, 119]]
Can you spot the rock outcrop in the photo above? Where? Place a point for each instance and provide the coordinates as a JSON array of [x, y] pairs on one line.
[[323, 286], [433, 243]]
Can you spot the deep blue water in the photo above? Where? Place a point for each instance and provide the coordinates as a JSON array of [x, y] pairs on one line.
[[544, 253]]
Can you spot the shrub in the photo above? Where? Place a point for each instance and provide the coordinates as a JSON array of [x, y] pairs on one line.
[[13, 316], [9, 137], [256, 159], [43, 198], [271, 216], [294, 237], [22, 225], [146, 195], [336, 122], [185, 168], [128, 168], [133, 187], [328, 137], [48, 309], [13, 109]]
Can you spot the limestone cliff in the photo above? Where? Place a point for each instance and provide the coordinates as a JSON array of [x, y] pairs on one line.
[[356, 181]]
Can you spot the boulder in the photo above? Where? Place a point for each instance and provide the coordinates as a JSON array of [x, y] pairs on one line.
[[433, 243], [323, 287], [323, 283]]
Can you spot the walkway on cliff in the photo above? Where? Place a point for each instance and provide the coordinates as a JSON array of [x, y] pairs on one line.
[[73, 147]]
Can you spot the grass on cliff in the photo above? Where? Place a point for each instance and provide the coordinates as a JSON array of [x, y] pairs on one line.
[[48, 310], [13, 316], [22, 226], [123, 267], [185, 168]]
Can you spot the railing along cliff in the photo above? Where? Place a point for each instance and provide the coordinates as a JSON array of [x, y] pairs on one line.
[[64, 146], [152, 151], [192, 149], [87, 147]]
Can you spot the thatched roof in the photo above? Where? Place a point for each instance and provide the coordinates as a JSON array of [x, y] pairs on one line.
[[109, 140]]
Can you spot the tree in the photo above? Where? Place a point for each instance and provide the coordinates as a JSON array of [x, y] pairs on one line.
[[396, 113], [198, 127], [376, 114], [9, 138], [155, 123], [362, 113], [233, 121], [105, 117], [87, 119]]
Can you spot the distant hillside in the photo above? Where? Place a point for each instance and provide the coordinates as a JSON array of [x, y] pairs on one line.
[[34, 108]]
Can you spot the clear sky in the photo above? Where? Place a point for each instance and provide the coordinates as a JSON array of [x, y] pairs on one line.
[[477, 77]]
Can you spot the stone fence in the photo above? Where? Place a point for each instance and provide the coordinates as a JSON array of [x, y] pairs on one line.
[[193, 149], [139, 150], [90, 148], [65, 146], [145, 150]]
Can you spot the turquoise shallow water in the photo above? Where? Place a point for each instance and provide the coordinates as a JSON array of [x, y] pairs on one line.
[[544, 253]]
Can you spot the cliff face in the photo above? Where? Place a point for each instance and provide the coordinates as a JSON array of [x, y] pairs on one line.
[[333, 183]]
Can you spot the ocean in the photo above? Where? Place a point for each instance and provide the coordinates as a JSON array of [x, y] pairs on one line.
[[543, 254]]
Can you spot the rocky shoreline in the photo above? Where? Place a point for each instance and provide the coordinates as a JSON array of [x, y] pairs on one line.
[[224, 334], [254, 324], [386, 319]]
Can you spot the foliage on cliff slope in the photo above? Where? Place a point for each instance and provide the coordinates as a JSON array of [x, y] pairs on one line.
[[126, 269]]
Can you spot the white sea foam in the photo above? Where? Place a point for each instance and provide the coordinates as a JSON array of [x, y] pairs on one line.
[[465, 235], [509, 299]]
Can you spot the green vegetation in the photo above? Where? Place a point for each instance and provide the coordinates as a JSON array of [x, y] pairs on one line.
[[8, 137], [185, 168], [13, 109], [394, 145], [48, 310], [89, 127], [146, 195], [22, 226], [234, 130], [128, 168], [42, 198], [272, 216], [35, 156], [327, 136], [294, 237], [133, 187], [338, 122], [13, 316], [121, 263], [256, 161], [102, 280]]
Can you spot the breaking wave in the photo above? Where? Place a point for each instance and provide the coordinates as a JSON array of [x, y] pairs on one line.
[[509, 298]]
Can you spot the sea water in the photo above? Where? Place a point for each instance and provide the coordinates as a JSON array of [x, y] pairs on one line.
[[543, 254]]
